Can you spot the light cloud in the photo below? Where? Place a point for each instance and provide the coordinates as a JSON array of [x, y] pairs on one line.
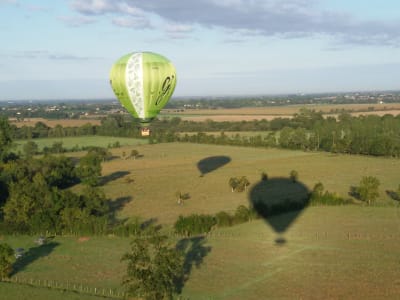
[[178, 31], [282, 18], [133, 22], [77, 21], [43, 54]]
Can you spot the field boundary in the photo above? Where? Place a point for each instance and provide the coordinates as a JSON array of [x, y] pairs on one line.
[[69, 287]]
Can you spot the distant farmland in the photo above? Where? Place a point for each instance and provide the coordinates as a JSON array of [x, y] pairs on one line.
[[272, 112]]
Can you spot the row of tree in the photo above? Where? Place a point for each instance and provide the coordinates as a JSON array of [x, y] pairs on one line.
[[306, 130]]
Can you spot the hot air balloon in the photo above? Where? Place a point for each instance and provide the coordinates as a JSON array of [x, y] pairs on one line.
[[143, 82]]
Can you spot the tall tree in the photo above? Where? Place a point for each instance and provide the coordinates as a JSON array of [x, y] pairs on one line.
[[154, 267], [233, 183], [368, 189]]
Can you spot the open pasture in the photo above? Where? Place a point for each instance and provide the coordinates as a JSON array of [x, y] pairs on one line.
[[347, 252], [165, 169]]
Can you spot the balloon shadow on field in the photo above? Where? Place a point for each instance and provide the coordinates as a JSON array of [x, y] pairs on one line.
[[279, 201], [194, 250], [210, 164], [33, 254]]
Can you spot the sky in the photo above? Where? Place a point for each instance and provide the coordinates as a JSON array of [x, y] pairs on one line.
[[64, 49]]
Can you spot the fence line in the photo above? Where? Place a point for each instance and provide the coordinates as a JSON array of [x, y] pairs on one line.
[[68, 286]]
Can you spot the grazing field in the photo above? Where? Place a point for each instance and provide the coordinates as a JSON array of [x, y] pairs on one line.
[[165, 169], [345, 252], [82, 141]]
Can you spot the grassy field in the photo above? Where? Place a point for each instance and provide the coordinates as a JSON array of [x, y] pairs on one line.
[[331, 253], [344, 252], [165, 169]]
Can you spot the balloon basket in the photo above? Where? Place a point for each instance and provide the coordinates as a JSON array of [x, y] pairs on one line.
[[145, 131]]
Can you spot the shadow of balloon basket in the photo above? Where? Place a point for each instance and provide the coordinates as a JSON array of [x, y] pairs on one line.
[[279, 201]]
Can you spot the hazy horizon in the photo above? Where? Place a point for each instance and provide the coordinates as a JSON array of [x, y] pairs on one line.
[[65, 49]]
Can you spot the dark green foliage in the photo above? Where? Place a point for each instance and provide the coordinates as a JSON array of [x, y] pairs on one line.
[[194, 224], [59, 171], [5, 138], [6, 260], [224, 219], [154, 267], [89, 168]]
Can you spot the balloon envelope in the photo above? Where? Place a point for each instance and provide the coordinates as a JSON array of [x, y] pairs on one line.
[[143, 82]]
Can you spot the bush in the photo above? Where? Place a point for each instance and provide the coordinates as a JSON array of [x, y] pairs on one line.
[[194, 224], [328, 199], [223, 219], [242, 214]]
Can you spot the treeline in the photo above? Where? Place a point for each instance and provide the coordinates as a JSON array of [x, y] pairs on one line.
[[307, 130]]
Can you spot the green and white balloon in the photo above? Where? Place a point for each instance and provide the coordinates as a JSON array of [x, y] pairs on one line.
[[143, 82]]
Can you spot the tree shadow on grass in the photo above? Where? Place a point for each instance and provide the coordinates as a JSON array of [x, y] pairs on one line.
[[354, 193], [279, 201], [194, 250], [33, 254], [113, 176], [209, 164], [393, 195], [119, 203], [115, 206]]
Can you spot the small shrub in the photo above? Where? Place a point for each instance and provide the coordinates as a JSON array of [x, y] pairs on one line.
[[294, 175]]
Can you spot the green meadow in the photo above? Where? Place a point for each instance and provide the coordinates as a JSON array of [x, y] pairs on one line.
[[345, 252]]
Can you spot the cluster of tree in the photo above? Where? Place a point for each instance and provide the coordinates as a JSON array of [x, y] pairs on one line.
[[238, 184]]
